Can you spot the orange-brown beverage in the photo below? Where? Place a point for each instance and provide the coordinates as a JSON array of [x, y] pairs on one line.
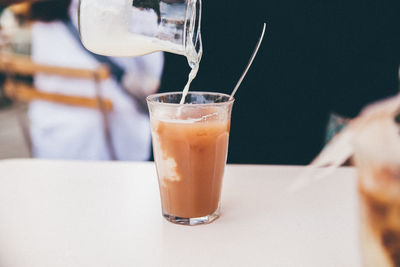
[[380, 217], [377, 157], [190, 148]]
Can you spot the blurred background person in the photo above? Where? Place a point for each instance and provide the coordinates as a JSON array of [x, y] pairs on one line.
[[65, 132]]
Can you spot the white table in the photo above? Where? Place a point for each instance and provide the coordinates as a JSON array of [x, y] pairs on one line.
[[97, 214]]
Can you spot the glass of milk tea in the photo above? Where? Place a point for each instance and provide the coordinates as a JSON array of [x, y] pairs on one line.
[[190, 143], [377, 157]]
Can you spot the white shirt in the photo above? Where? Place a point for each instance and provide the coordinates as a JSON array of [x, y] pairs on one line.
[[61, 131]]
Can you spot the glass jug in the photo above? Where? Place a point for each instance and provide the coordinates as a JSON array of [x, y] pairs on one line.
[[139, 27]]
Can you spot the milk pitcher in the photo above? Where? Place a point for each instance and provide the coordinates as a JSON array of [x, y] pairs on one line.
[[127, 28]]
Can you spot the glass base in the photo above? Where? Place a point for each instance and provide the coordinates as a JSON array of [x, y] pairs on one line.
[[192, 221]]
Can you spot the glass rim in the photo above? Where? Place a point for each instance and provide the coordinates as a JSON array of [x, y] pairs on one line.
[[150, 99]]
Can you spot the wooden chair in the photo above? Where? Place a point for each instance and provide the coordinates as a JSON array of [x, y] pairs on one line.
[[12, 64]]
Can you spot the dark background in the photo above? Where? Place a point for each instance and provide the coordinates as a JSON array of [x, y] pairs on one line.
[[318, 57]]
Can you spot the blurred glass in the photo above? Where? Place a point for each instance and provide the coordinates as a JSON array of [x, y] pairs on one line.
[[377, 157]]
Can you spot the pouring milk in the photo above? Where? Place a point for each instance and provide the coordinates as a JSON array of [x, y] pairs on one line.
[[127, 28]]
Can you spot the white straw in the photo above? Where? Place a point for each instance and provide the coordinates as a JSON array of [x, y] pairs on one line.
[[250, 62]]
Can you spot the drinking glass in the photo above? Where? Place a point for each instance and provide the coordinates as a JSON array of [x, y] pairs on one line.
[[190, 145], [377, 157]]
